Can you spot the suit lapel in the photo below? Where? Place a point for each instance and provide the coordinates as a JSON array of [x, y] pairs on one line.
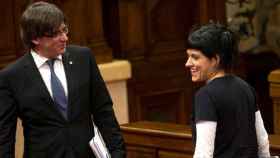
[[34, 77]]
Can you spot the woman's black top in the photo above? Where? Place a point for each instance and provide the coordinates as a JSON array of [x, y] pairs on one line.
[[230, 102]]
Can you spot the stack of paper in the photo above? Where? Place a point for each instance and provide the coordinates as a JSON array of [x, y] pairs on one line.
[[98, 146]]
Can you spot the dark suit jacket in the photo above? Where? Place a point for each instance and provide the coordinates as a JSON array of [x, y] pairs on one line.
[[47, 133]]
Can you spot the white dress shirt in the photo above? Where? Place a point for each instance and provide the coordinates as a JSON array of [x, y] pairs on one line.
[[206, 133], [44, 70]]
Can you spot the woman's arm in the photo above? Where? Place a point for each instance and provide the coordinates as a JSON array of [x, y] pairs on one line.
[[262, 136], [205, 139]]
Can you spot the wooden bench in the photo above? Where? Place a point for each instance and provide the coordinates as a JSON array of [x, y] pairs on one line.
[[166, 140]]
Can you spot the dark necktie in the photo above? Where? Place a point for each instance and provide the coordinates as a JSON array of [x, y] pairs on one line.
[[59, 96]]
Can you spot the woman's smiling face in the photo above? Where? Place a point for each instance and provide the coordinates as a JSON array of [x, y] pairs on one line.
[[201, 67]]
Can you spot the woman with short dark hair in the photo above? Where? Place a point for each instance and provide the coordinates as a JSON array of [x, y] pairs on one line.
[[227, 122]]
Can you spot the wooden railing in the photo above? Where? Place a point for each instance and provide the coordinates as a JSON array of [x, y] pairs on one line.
[[274, 90], [157, 140], [165, 140]]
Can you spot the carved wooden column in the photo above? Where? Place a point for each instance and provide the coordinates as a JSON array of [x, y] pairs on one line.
[[274, 79], [96, 39]]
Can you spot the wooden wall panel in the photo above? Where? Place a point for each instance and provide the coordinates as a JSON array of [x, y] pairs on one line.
[[165, 139], [140, 152], [167, 154], [211, 10], [152, 34], [85, 20], [162, 100], [7, 33], [152, 111], [132, 36], [7, 27], [167, 25], [152, 37]]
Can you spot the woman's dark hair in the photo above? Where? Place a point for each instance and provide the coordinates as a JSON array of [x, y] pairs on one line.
[[38, 20], [215, 39]]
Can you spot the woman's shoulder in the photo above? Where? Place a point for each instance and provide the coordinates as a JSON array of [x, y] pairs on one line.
[[227, 80], [223, 84]]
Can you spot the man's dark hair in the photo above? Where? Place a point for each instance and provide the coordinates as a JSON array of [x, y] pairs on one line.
[[38, 20], [215, 39]]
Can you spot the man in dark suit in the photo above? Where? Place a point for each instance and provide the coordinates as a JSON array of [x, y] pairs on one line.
[[57, 91]]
